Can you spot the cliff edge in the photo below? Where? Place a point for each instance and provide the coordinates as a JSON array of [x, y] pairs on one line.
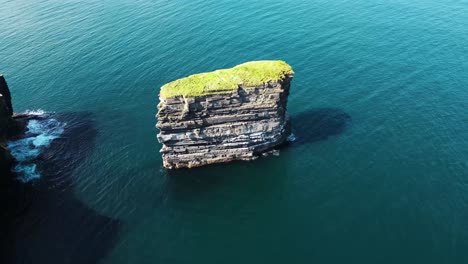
[[225, 115], [8, 127]]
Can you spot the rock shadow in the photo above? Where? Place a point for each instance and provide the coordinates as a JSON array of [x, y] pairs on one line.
[[47, 223], [319, 124], [187, 183], [308, 127], [231, 179]]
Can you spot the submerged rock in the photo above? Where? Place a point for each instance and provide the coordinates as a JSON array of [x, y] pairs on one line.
[[225, 115]]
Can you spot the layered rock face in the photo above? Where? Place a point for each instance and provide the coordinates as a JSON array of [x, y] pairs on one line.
[[238, 124]]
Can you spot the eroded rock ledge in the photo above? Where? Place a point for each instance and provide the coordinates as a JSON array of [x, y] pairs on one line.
[[222, 124]]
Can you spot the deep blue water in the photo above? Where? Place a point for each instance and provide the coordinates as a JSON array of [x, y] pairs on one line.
[[378, 173]]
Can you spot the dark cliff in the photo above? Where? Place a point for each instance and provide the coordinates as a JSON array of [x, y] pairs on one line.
[[9, 127], [7, 106]]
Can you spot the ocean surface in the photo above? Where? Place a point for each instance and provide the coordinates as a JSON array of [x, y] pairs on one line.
[[377, 173]]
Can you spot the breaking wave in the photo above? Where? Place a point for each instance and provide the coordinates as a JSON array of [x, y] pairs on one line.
[[39, 135], [38, 112]]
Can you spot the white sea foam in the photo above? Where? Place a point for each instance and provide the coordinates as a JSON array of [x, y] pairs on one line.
[[292, 138], [27, 172], [38, 137], [38, 112]]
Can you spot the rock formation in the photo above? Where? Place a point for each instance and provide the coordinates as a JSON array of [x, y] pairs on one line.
[[225, 115], [8, 126], [5, 103]]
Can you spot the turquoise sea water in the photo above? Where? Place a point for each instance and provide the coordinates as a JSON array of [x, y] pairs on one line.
[[378, 172]]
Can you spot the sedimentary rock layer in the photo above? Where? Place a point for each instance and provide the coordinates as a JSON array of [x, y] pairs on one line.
[[234, 125]]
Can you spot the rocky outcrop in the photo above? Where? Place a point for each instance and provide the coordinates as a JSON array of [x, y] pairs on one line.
[[6, 107], [235, 124], [6, 110], [8, 126]]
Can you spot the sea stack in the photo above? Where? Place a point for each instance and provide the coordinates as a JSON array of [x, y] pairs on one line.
[[224, 115]]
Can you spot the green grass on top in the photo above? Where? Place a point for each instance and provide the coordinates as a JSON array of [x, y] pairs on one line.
[[226, 80]]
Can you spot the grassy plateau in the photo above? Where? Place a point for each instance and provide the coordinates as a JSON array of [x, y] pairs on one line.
[[251, 73]]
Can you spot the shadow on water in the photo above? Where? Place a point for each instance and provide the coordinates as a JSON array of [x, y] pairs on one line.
[[319, 124], [50, 225], [186, 183], [308, 127]]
